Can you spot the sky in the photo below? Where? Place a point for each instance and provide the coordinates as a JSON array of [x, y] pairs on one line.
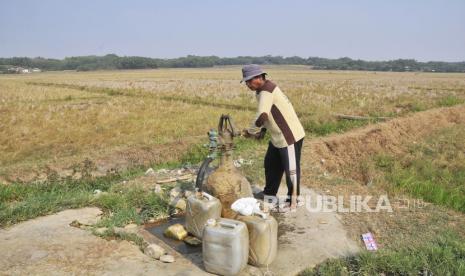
[[424, 30]]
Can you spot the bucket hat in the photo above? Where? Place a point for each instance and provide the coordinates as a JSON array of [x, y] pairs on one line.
[[250, 71]]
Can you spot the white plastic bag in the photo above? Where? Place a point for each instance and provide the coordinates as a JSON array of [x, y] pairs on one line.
[[246, 206]]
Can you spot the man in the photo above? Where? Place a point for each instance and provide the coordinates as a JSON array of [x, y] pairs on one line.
[[277, 115]]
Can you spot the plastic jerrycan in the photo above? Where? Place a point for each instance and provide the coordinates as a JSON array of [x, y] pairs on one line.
[[225, 246], [263, 238], [200, 208]]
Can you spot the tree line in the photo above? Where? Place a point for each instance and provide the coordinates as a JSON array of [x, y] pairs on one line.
[[114, 62]]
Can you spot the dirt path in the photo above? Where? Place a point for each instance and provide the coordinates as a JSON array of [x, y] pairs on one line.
[[308, 238], [49, 246], [305, 239]]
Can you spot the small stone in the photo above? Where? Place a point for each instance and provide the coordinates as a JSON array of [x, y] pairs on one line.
[[98, 193], [150, 172], [322, 161], [157, 189], [188, 193], [167, 259], [101, 230], [76, 224], [162, 171], [193, 241], [131, 228], [176, 231], [38, 255], [119, 230], [175, 192], [179, 203], [155, 251]]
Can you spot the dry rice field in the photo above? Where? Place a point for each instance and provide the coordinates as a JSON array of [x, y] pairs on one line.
[[58, 119]]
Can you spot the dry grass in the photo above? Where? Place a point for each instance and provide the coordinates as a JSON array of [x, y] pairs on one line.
[[315, 92], [95, 113]]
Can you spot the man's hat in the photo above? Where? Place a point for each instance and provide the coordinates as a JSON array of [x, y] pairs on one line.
[[250, 71]]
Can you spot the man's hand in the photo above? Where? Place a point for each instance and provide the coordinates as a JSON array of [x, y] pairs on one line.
[[261, 134], [245, 133], [257, 135]]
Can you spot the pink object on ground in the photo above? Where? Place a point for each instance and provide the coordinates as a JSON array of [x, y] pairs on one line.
[[370, 242]]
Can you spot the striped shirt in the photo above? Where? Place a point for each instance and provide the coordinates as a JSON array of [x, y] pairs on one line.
[[277, 115]]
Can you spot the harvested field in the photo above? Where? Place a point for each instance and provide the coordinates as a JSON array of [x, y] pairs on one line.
[[60, 119]]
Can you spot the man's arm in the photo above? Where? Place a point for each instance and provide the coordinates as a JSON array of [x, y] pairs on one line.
[[256, 130], [265, 101]]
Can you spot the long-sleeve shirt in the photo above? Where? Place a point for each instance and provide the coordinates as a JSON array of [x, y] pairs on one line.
[[277, 115]]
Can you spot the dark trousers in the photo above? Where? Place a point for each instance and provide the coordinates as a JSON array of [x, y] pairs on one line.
[[279, 161]]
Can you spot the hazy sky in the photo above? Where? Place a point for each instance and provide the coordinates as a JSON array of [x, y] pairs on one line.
[[371, 30]]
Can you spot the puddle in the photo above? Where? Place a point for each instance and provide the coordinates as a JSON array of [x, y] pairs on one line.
[[180, 246]]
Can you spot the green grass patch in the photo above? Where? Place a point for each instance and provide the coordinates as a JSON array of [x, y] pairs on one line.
[[449, 100], [137, 240], [23, 201], [134, 238], [444, 255], [247, 144], [195, 154], [323, 128], [124, 205], [42, 203], [417, 107], [433, 171]]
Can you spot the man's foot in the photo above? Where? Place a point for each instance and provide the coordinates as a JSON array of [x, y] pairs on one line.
[[285, 208], [298, 201], [270, 203], [259, 195]]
